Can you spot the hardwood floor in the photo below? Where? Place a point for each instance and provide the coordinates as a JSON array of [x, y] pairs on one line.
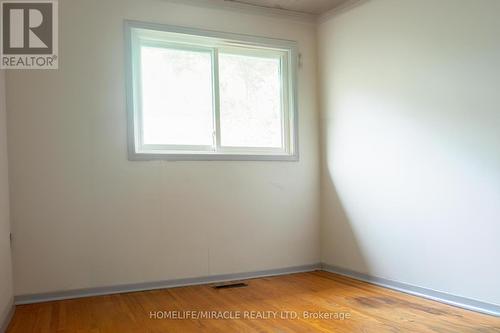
[[263, 306]]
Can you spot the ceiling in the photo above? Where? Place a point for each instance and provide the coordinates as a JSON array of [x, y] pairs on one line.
[[315, 7]]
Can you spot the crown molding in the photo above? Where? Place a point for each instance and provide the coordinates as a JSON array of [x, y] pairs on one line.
[[344, 7], [236, 6], [249, 9]]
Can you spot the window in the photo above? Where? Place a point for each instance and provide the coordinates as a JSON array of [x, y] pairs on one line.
[[207, 95]]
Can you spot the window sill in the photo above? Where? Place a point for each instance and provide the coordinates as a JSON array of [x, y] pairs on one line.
[[210, 157]]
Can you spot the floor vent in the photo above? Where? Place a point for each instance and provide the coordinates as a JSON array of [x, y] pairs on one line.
[[230, 285]]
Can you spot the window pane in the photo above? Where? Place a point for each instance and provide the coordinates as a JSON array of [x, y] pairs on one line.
[[176, 97], [250, 101]]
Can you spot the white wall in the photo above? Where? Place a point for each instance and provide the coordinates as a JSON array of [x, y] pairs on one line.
[[6, 291], [411, 137], [84, 216]]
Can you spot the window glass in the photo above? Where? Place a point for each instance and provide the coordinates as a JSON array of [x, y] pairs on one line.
[[250, 101], [177, 107]]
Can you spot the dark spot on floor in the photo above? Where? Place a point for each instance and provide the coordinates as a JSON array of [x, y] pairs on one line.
[[388, 302]]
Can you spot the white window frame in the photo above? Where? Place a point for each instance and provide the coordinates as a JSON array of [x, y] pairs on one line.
[[158, 35]]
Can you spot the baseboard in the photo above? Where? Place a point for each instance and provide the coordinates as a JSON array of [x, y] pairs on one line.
[[462, 302], [6, 317], [459, 301], [79, 293]]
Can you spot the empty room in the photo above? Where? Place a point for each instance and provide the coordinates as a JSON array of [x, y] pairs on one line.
[[249, 166]]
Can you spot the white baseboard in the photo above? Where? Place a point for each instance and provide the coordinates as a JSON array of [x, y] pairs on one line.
[[78, 293], [459, 301], [6, 317]]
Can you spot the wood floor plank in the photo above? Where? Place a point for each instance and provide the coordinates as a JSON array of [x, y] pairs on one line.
[[286, 299], [375, 297]]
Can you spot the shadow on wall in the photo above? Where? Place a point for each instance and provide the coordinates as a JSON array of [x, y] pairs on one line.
[[410, 192], [345, 251], [410, 141]]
